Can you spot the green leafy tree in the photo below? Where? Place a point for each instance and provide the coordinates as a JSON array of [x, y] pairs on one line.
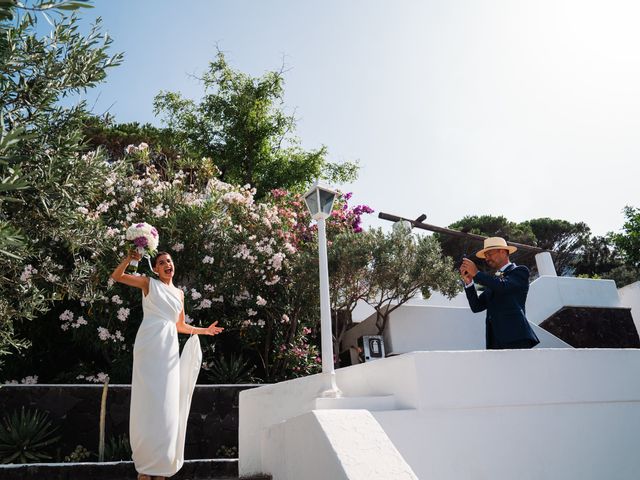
[[628, 241], [12, 243], [598, 256], [600, 259], [623, 275], [43, 170], [563, 238], [404, 264], [241, 124], [488, 226], [383, 269], [114, 138]]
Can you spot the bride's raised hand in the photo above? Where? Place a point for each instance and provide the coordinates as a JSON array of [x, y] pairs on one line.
[[120, 275], [213, 329], [134, 255]]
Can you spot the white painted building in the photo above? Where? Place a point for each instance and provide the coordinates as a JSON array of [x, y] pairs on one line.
[[630, 297], [442, 324], [447, 409]]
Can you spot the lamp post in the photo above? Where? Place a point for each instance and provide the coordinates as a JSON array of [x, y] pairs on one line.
[[319, 200]]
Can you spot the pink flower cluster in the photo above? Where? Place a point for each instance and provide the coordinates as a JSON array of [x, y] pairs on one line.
[[67, 319], [105, 335], [100, 377]]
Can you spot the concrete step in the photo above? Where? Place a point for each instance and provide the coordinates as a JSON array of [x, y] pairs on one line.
[[214, 469], [371, 403]]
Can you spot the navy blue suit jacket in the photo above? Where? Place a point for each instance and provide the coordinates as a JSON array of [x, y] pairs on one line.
[[504, 300]]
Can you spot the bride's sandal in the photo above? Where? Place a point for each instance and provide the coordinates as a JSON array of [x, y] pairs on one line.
[[142, 476]]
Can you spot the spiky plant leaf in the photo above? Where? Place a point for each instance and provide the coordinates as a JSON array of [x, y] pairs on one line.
[[25, 436]]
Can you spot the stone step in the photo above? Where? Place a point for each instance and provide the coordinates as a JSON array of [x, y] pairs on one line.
[[214, 469], [372, 403], [212, 429]]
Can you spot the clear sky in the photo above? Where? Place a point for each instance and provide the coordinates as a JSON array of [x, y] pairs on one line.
[[453, 107]]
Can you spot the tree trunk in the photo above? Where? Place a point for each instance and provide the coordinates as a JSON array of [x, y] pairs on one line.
[[342, 319]]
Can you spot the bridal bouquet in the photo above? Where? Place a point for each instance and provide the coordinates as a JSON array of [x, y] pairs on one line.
[[144, 238]]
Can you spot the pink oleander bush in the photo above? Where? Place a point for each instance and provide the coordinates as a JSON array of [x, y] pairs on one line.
[[241, 262]]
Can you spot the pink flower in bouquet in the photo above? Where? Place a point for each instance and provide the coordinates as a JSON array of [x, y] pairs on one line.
[[141, 242]]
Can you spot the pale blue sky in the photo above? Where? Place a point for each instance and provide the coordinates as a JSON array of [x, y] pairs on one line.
[[453, 107]]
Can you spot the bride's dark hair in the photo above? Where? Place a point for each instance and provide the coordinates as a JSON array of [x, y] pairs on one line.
[[155, 258]]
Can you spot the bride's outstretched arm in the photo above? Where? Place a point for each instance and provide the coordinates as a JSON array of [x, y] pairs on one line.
[[137, 281], [183, 327]]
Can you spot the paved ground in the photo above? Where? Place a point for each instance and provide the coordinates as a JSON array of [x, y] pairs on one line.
[[219, 469]]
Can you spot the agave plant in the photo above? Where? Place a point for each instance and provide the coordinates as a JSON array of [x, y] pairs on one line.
[[25, 436], [231, 369]]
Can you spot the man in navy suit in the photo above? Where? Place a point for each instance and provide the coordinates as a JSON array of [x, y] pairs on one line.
[[503, 297]]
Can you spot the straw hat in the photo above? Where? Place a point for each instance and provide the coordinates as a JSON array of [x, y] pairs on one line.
[[495, 243]]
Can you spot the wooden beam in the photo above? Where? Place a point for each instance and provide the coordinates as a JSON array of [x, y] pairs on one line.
[[454, 233]]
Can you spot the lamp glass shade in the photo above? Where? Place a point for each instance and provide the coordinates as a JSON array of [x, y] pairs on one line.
[[319, 201], [311, 199], [326, 199]]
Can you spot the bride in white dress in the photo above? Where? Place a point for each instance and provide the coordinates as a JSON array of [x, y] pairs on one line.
[[163, 381]]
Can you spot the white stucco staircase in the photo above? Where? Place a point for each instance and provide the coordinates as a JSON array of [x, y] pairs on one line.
[[527, 414], [373, 403], [445, 408]]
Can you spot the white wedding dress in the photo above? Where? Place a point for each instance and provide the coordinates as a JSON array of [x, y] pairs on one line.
[[162, 384]]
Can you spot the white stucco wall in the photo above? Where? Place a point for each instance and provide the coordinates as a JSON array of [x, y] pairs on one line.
[[422, 327], [364, 311], [524, 443], [527, 414], [547, 295], [441, 324], [630, 297], [347, 445], [418, 327]]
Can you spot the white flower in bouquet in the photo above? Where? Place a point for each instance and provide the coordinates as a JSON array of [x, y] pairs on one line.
[[144, 238]]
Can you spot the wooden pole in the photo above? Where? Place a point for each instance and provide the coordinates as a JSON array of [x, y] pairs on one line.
[[103, 414], [454, 233]]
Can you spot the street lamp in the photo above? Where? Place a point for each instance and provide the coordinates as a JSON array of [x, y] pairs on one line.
[[319, 200]]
